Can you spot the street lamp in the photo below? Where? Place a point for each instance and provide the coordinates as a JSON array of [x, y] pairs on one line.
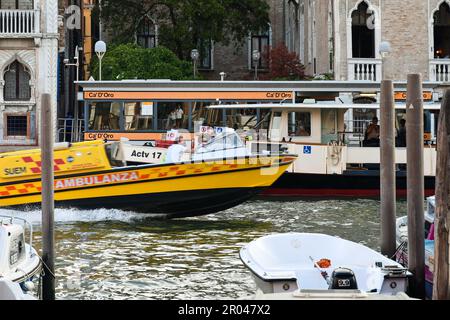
[[256, 55], [77, 63], [100, 50], [195, 55], [385, 49]]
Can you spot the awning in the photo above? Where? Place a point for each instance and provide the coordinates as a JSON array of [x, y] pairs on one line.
[[295, 106]]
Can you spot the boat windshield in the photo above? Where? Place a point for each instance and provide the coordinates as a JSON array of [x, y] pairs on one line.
[[113, 153], [222, 142]]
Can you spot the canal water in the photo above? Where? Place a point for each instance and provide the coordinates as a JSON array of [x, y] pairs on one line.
[[111, 254]]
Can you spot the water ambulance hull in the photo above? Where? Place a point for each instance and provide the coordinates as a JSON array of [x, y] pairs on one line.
[[174, 190], [347, 185]]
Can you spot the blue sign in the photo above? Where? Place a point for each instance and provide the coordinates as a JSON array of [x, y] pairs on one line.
[[219, 130], [307, 150]]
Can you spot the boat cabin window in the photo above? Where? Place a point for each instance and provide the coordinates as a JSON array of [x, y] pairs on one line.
[[300, 124], [104, 116], [275, 127], [329, 125], [138, 116]]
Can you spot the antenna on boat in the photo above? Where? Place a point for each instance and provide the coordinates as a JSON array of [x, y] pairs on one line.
[[323, 273]]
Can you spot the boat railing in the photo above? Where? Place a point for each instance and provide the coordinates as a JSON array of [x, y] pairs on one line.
[[70, 130], [26, 224], [394, 270]]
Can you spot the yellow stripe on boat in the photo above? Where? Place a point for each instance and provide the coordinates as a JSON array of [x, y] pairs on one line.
[[84, 174]]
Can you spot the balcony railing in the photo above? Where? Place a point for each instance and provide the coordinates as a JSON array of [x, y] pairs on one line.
[[360, 69], [15, 23], [440, 70]]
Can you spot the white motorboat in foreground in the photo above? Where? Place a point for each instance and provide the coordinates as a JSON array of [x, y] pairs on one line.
[[12, 291], [321, 265], [19, 262]]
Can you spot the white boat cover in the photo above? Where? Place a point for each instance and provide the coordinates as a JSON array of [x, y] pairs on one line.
[[291, 256]]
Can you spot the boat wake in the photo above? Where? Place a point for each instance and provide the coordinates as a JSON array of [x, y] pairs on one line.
[[77, 215]]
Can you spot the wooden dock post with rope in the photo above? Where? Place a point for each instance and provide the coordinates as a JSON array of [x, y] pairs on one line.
[[48, 204]]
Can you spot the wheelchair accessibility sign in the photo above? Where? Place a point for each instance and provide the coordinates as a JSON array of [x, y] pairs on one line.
[[307, 150]]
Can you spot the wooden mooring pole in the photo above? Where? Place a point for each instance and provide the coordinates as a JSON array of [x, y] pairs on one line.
[[415, 184], [441, 280], [48, 237], [387, 166]]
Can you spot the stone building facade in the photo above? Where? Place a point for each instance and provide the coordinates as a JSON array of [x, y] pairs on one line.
[[237, 60], [28, 68], [341, 38], [417, 30]]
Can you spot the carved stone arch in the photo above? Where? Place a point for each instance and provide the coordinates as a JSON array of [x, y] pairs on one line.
[[437, 7], [372, 8], [377, 27], [431, 25], [24, 57]]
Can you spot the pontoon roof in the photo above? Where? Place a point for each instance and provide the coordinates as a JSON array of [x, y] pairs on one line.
[[287, 106]]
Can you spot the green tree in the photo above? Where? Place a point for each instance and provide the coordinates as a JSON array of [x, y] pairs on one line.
[[129, 61], [184, 23]]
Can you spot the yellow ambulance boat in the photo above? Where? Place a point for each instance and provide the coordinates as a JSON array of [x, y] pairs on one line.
[[95, 175]]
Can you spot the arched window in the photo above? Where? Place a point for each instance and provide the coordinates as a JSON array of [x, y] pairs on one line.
[[146, 33], [363, 32], [17, 83], [442, 32]]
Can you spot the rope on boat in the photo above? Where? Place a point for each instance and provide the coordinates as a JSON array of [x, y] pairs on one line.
[[403, 250], [46, 267]]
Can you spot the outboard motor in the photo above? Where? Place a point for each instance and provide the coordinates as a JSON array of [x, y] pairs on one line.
[[343, 278]]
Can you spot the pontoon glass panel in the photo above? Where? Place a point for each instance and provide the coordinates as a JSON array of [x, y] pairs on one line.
[[104, 116], [202, 116], [173, 115], [138, 116]]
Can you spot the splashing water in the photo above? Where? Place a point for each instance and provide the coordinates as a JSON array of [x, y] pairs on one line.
[[112, 254]]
